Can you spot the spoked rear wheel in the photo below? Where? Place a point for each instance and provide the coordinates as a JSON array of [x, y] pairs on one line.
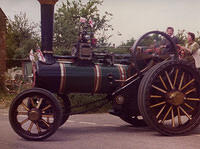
[[38, 121], [169, 98]]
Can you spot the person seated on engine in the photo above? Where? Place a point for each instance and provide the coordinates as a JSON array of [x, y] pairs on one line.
[[165, 46], [190, 49]]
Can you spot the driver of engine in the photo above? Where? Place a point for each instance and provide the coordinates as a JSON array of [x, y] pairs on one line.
[[165, 44]]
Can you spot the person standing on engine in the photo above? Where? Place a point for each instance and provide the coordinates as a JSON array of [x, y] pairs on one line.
[[166, 44], [190, 48]]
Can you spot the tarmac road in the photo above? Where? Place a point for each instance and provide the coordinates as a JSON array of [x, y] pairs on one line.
[[97, 131]]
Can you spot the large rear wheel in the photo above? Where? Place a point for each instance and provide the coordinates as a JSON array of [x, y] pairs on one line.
[[169, 98]]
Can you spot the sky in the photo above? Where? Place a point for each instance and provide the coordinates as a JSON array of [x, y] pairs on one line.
[[131, 18]]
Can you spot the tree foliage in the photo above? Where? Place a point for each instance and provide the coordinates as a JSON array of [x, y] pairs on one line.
[[21, 37], [66, 24], [182, 36], [157, 39]]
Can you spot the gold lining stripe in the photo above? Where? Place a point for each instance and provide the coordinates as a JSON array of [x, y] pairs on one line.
[[62, 78], [134, 75], [122, 73], [97, 78]]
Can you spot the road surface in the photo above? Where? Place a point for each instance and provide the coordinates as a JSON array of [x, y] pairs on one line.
[[97, 131]]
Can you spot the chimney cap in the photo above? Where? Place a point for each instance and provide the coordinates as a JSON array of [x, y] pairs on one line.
[[48, 2]]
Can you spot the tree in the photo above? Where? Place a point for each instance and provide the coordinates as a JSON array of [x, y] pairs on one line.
[[66, 24], [181, 36], [198, 37], [128, 43], [124, 48], [3, 20], [21, 37]]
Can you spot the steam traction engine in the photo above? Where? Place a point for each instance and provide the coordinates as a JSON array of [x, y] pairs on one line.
[[160, 88]]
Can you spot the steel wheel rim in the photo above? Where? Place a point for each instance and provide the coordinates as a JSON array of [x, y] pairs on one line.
[[173, 98], [27, 118], [137, 43]]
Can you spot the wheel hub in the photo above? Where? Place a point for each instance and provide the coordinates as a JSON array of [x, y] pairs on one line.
[[175, 98], [34, 114]]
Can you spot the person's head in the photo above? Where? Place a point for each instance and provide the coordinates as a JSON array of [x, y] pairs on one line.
[[170, 31], [191, 36]]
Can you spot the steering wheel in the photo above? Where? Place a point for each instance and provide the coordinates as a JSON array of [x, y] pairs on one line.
[[151, 48]]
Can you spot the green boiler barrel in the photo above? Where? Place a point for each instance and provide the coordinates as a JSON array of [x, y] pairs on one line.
[[69, 77]]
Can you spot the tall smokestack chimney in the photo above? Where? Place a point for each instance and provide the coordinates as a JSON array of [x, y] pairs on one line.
[[47, 13]]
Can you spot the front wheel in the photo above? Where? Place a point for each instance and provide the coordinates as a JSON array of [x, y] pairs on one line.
[[26, 120]]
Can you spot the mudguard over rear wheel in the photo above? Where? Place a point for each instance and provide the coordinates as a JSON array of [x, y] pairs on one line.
[[169, 98]]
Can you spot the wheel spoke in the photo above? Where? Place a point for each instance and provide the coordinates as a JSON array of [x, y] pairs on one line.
[[189, 106], [163, 82], [190, 91], [47, 119], [25, 107], [38, 128], [193, 99], [45, 108], [175, 78], [32, 102], [24, 121], [187, 84], [179, 115], [169, 80], [157, 116], [45, 123], [22, 113], [182, 77], [49, 116], [166, 114], [155, 96], [30, 127], [40, 102], [173, 121], [185, 112], [159, 89], [158, 104]]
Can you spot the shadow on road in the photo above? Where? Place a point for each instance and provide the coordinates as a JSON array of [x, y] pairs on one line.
[[68, 133]]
